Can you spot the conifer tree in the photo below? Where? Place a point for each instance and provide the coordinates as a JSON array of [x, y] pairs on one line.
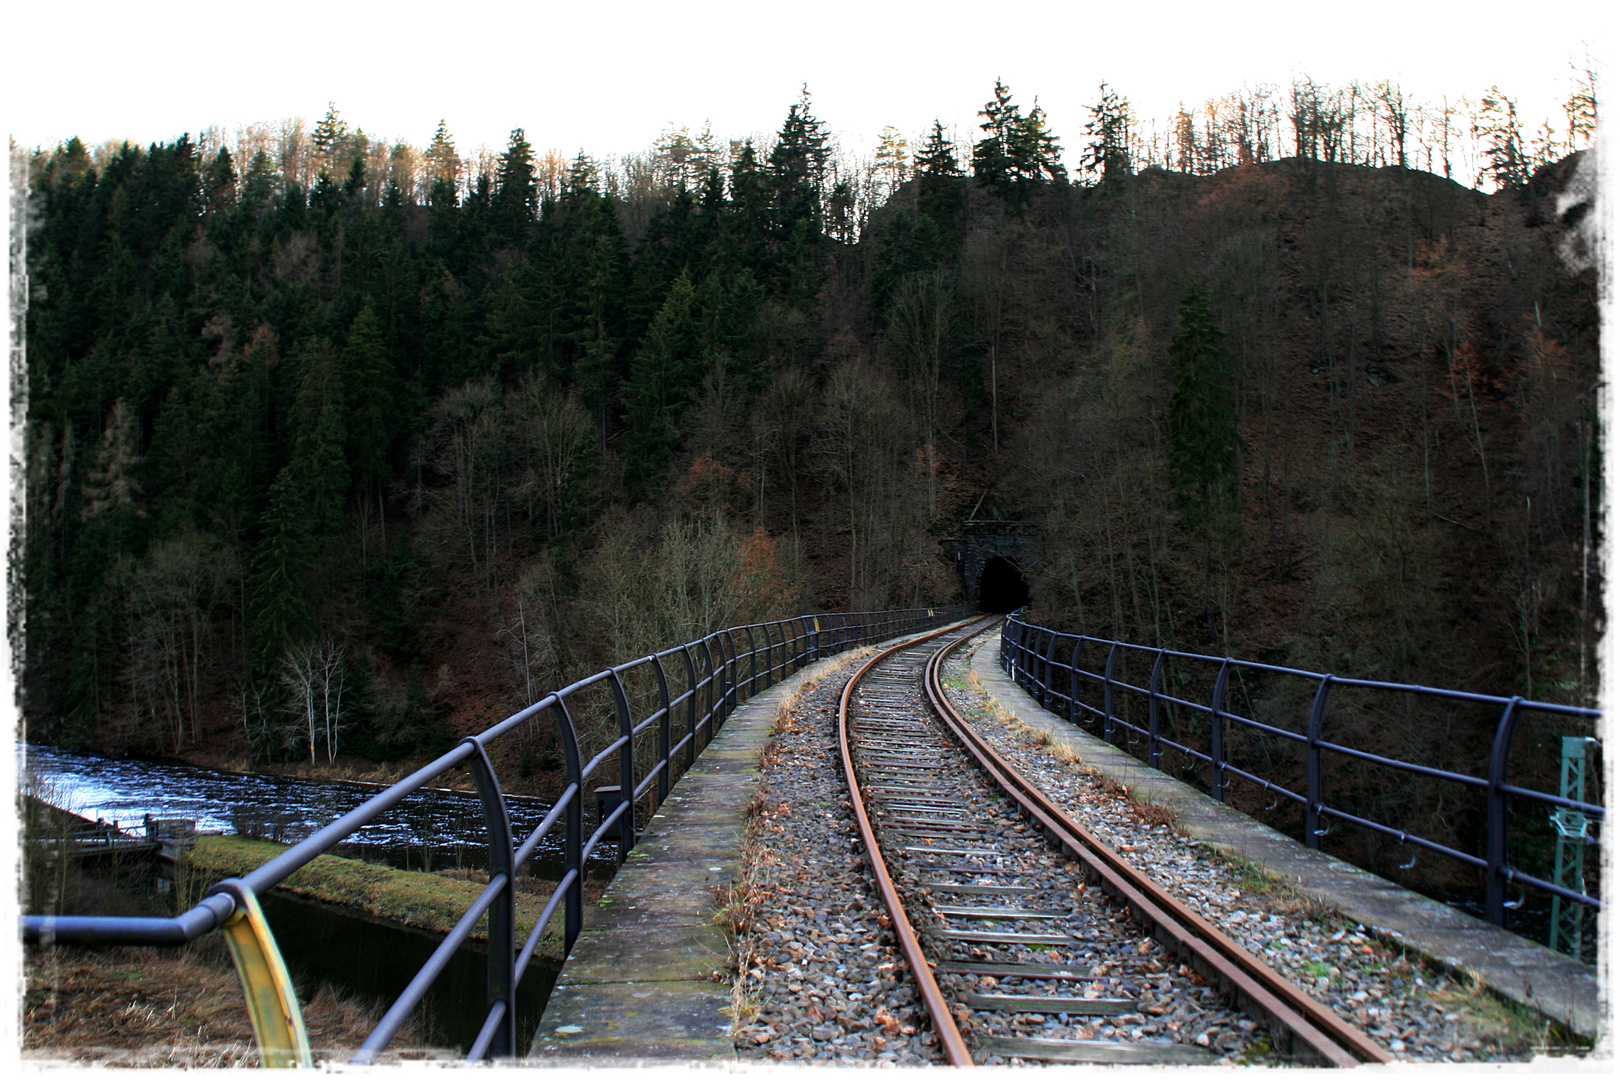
[[368, 385], [1499, 126], [440, 159], [219, 183], [1204, 438], [941, 196], [750, 190], [992, 155], [1018, 152], [1108, 155], [514, 206], [330, 136], [1036, 153], [798, 165], [318, 473], [890, 163], [662, 378]]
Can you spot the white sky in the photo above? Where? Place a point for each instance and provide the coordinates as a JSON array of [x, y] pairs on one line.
[[608, 79]]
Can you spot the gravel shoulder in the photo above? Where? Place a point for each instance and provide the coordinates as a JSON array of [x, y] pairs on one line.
[[1418, 1013]]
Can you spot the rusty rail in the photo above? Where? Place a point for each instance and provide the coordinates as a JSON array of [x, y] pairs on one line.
[[1314, 1027]]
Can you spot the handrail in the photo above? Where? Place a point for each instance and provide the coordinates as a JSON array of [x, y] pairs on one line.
[[1030, 655], [716, 682]]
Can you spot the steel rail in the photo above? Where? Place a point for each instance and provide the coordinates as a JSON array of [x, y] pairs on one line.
[[939, 1010], [1312, 1025]]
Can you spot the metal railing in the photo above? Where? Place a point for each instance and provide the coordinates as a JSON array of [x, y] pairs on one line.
[[1051, 666], [676, 700]]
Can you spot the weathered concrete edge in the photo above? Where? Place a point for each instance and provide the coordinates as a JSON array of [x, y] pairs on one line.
[[640, 984], [1514, 968]]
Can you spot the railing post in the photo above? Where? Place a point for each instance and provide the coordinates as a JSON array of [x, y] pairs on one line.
[[502, 946], [1313, 765], [1108, 692], [1017, 659], [714, 678], [1155, 681], [1074, 680], [728, 679], [271, 997], [770, 655], [1496, 817], [663, 730], [691, 706], [627, 770], [573, 826], [753, 662], [1217, 735], [1046, 671]]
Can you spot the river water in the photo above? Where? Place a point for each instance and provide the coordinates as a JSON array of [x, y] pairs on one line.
[[430, 829]]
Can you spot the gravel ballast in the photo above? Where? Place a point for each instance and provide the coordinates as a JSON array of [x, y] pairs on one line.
[[820, 980]]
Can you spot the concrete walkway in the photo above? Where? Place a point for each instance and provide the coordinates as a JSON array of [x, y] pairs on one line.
[[650, 976], [1517, 969]]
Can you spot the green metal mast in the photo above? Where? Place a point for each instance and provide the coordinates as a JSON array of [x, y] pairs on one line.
[[1565, 935]]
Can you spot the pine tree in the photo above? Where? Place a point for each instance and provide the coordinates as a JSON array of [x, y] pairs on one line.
[[750, 190], [1204, 438], [256, 191], [1018, 152], [354, 186], [330, 137], [1498, 125], [440, 160], [941, 194], [890, 164], [219, 183], [937, 158], [1108, 156], [367, 380], [318, 473], [515, 203], [798, 167], [662, 379], [1036, 154], [992, 156]]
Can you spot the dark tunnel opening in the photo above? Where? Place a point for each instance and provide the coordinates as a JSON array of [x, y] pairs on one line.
[[1001, 587]]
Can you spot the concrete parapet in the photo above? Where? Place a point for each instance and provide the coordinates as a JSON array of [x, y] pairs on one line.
[[650, 976]]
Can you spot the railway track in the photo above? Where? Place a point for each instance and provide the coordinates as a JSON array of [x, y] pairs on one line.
[[1014, 918]]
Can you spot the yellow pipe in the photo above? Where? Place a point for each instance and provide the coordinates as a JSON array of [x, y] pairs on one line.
[[271, 1000]]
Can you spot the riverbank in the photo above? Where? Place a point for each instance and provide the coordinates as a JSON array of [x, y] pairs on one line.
[[184, 1007], [432, 902]]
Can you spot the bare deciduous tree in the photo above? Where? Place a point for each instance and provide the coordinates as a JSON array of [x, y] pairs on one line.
[[315, 675]]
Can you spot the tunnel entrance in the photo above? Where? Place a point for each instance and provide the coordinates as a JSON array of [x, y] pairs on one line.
[[1001, 587]]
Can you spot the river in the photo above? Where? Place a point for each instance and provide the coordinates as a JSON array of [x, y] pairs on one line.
[[430, 829]]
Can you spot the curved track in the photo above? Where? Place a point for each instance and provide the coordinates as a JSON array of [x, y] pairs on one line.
[[966, 850]]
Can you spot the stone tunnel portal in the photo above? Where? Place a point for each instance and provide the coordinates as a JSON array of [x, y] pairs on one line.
[[1001, 587]]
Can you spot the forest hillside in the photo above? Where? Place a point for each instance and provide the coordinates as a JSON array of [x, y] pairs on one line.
[[324, 419]]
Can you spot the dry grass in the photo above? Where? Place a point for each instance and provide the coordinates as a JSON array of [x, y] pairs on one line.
[[1144, 810], [787, 720], [170, 1009]]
